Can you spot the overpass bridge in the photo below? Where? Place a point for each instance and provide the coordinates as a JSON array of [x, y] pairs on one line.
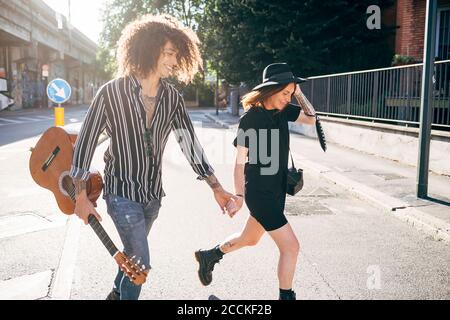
[[38, 44]]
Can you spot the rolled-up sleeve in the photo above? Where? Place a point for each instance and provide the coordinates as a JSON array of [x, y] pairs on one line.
[[292, 112], [93, 125], [189, 143]]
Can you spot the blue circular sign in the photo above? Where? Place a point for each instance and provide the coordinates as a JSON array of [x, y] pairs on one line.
[[59, 91]]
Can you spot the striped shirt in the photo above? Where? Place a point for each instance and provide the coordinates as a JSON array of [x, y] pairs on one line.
[[129, 171]]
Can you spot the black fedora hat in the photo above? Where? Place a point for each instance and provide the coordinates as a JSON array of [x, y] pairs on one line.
[[277, 73]]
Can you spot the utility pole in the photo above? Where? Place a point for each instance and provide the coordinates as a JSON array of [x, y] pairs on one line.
[[216, 94], [69, 7], [426, 100], [69, 25]]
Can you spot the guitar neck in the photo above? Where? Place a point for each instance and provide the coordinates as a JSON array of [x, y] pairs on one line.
[[103, 236]]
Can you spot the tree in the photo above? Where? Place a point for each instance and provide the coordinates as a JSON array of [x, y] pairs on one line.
[[240, 37], [105, 64], [187, 11], [118, 13]]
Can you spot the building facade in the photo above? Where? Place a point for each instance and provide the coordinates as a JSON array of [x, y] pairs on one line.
[[410, 19]]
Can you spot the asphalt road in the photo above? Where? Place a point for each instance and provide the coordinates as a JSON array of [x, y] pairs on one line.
[[349, 249]]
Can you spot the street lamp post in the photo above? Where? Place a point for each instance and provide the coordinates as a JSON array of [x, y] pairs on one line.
[[426, 100]]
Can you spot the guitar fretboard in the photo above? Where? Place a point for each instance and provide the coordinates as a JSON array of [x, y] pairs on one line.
[[101, 233]]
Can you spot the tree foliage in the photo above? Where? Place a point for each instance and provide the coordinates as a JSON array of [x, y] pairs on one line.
[[118, 13], [241, 37]]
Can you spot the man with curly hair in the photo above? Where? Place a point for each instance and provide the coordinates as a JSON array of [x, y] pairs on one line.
[[138, 110]]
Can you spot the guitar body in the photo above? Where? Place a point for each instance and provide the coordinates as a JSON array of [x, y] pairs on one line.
[[50, 164]]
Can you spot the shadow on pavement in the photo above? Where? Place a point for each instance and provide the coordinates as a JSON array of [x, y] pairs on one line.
[[438, 201]]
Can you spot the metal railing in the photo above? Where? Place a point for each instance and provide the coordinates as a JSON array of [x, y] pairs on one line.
[[389, 95]]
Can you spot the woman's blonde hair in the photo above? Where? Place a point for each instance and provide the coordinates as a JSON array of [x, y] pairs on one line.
[[142, 40], [256, 98]]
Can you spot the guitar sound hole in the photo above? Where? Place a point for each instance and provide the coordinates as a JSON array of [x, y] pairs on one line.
[[66, 185]]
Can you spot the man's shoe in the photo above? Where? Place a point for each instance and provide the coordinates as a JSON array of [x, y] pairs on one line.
[[206, 259], [113, 295]]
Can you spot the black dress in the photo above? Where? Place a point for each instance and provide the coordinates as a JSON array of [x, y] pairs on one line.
[[266, 134]]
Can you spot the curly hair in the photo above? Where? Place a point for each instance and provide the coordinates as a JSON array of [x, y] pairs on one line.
[[141, 43]]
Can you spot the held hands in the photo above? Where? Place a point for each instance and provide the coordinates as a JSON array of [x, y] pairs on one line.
[[226, 201], [234, 205]]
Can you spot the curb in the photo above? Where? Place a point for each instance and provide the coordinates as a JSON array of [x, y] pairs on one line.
[[61, 287], [435, 227]]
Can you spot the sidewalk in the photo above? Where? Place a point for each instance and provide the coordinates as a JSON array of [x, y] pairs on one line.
[[389, 185]]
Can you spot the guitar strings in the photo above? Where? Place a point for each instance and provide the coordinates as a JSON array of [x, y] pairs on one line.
[[70, 189]]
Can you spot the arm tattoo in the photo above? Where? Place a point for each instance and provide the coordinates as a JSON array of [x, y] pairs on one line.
[[306, 106], [213, 182], [80, 185]]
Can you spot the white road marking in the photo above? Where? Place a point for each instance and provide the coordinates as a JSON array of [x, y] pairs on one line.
[[28, 119], [21, 120], [45, 117], [22, 223], [11, 121]]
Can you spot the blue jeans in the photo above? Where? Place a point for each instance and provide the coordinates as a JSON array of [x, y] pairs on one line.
[[133, 221]]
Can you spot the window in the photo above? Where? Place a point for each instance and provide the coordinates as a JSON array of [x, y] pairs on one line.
[[443, 34]]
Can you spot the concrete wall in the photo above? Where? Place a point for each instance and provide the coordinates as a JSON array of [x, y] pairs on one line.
[[388, 141]]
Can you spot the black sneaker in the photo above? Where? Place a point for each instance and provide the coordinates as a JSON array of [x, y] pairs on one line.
[[206, 259], [113, 295]]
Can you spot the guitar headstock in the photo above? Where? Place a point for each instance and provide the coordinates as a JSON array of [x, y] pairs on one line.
[[136, 273]]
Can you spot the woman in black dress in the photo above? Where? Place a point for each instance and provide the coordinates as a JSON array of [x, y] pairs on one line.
[[260, 174]]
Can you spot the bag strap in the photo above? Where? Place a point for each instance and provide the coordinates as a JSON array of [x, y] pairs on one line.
[[292, 159], [273, 122]]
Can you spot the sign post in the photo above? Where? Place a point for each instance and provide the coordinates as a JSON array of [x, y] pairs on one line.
[[426, 101], [59, 91]]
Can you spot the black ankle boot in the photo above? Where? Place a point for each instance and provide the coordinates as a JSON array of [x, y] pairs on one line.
[[207, 259], [288, 295]]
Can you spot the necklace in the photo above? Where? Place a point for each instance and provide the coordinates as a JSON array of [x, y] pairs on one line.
[[149, 106]]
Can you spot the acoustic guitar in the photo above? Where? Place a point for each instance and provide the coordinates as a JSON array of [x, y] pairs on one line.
[[50, 164]]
